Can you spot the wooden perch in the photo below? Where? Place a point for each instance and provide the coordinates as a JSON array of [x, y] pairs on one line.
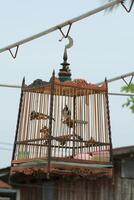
[[39, 116], [44, 132]]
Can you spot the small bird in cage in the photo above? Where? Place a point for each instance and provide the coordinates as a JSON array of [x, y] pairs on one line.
[[66, 117], [39, 116], [66, 113], [45, 134]]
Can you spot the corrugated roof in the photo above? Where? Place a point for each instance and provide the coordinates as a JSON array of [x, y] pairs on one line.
[[123, 150]]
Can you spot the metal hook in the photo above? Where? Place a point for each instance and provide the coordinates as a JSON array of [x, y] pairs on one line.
[[16, 51], [64, 35], [130, 8], [70, 44], [61, 39], [128, 84]]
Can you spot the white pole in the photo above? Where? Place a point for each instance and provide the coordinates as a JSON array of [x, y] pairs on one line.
[[121, 94], [10, 86], [117, 78], [68, 22]]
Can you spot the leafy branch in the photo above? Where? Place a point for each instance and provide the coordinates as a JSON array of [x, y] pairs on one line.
[[130, 101]]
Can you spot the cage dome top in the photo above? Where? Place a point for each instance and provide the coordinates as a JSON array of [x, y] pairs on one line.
[[63, 80]]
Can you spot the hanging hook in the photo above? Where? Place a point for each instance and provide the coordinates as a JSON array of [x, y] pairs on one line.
[[63, 34], [16, 51], [70, 44], [127, 83], [130, 8]]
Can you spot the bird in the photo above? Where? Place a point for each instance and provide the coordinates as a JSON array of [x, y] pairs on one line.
[[66, 113], [39, 116], [45, 133]]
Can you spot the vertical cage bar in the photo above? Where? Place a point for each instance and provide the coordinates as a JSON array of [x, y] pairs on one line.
[[108, 116], [50, 123], [18, 120], [74, 108]]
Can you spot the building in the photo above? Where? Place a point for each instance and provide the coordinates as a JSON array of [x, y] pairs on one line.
[[119, 187], [7, 192]]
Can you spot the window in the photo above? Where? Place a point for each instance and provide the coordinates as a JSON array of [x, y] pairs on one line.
[[127, 169]]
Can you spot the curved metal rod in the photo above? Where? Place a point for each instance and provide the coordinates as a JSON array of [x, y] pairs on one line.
[[70, 44]]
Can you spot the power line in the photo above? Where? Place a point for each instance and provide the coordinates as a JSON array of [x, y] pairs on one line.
[[121, 77], [110, 93], [10, 86], [120, 94], [6, 143], [5, 149], [108, 80]]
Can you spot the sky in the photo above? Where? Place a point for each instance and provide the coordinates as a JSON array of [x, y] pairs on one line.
[[103, 47]]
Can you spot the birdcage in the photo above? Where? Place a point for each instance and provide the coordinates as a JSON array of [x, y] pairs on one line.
[[63, 127]]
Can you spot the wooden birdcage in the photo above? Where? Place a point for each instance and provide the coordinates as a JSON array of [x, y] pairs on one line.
[[63, 128]]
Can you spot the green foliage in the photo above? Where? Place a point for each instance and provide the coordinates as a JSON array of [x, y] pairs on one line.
[[130, 101]]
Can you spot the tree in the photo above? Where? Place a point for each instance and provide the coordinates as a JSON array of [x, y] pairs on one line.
[[130, 101]]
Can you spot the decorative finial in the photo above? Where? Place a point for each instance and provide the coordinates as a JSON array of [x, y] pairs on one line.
[[65, 55], [53, 74], [23, 81], [64, 73]]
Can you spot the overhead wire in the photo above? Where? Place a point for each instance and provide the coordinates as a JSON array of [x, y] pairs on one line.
[[5, 149], [108, 81], [6, 143], [10, 86]]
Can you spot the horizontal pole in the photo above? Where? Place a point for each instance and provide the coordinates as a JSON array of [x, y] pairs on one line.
[[10, 86], [117, 78], [18, 87], [68, 22], [121, 94]]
